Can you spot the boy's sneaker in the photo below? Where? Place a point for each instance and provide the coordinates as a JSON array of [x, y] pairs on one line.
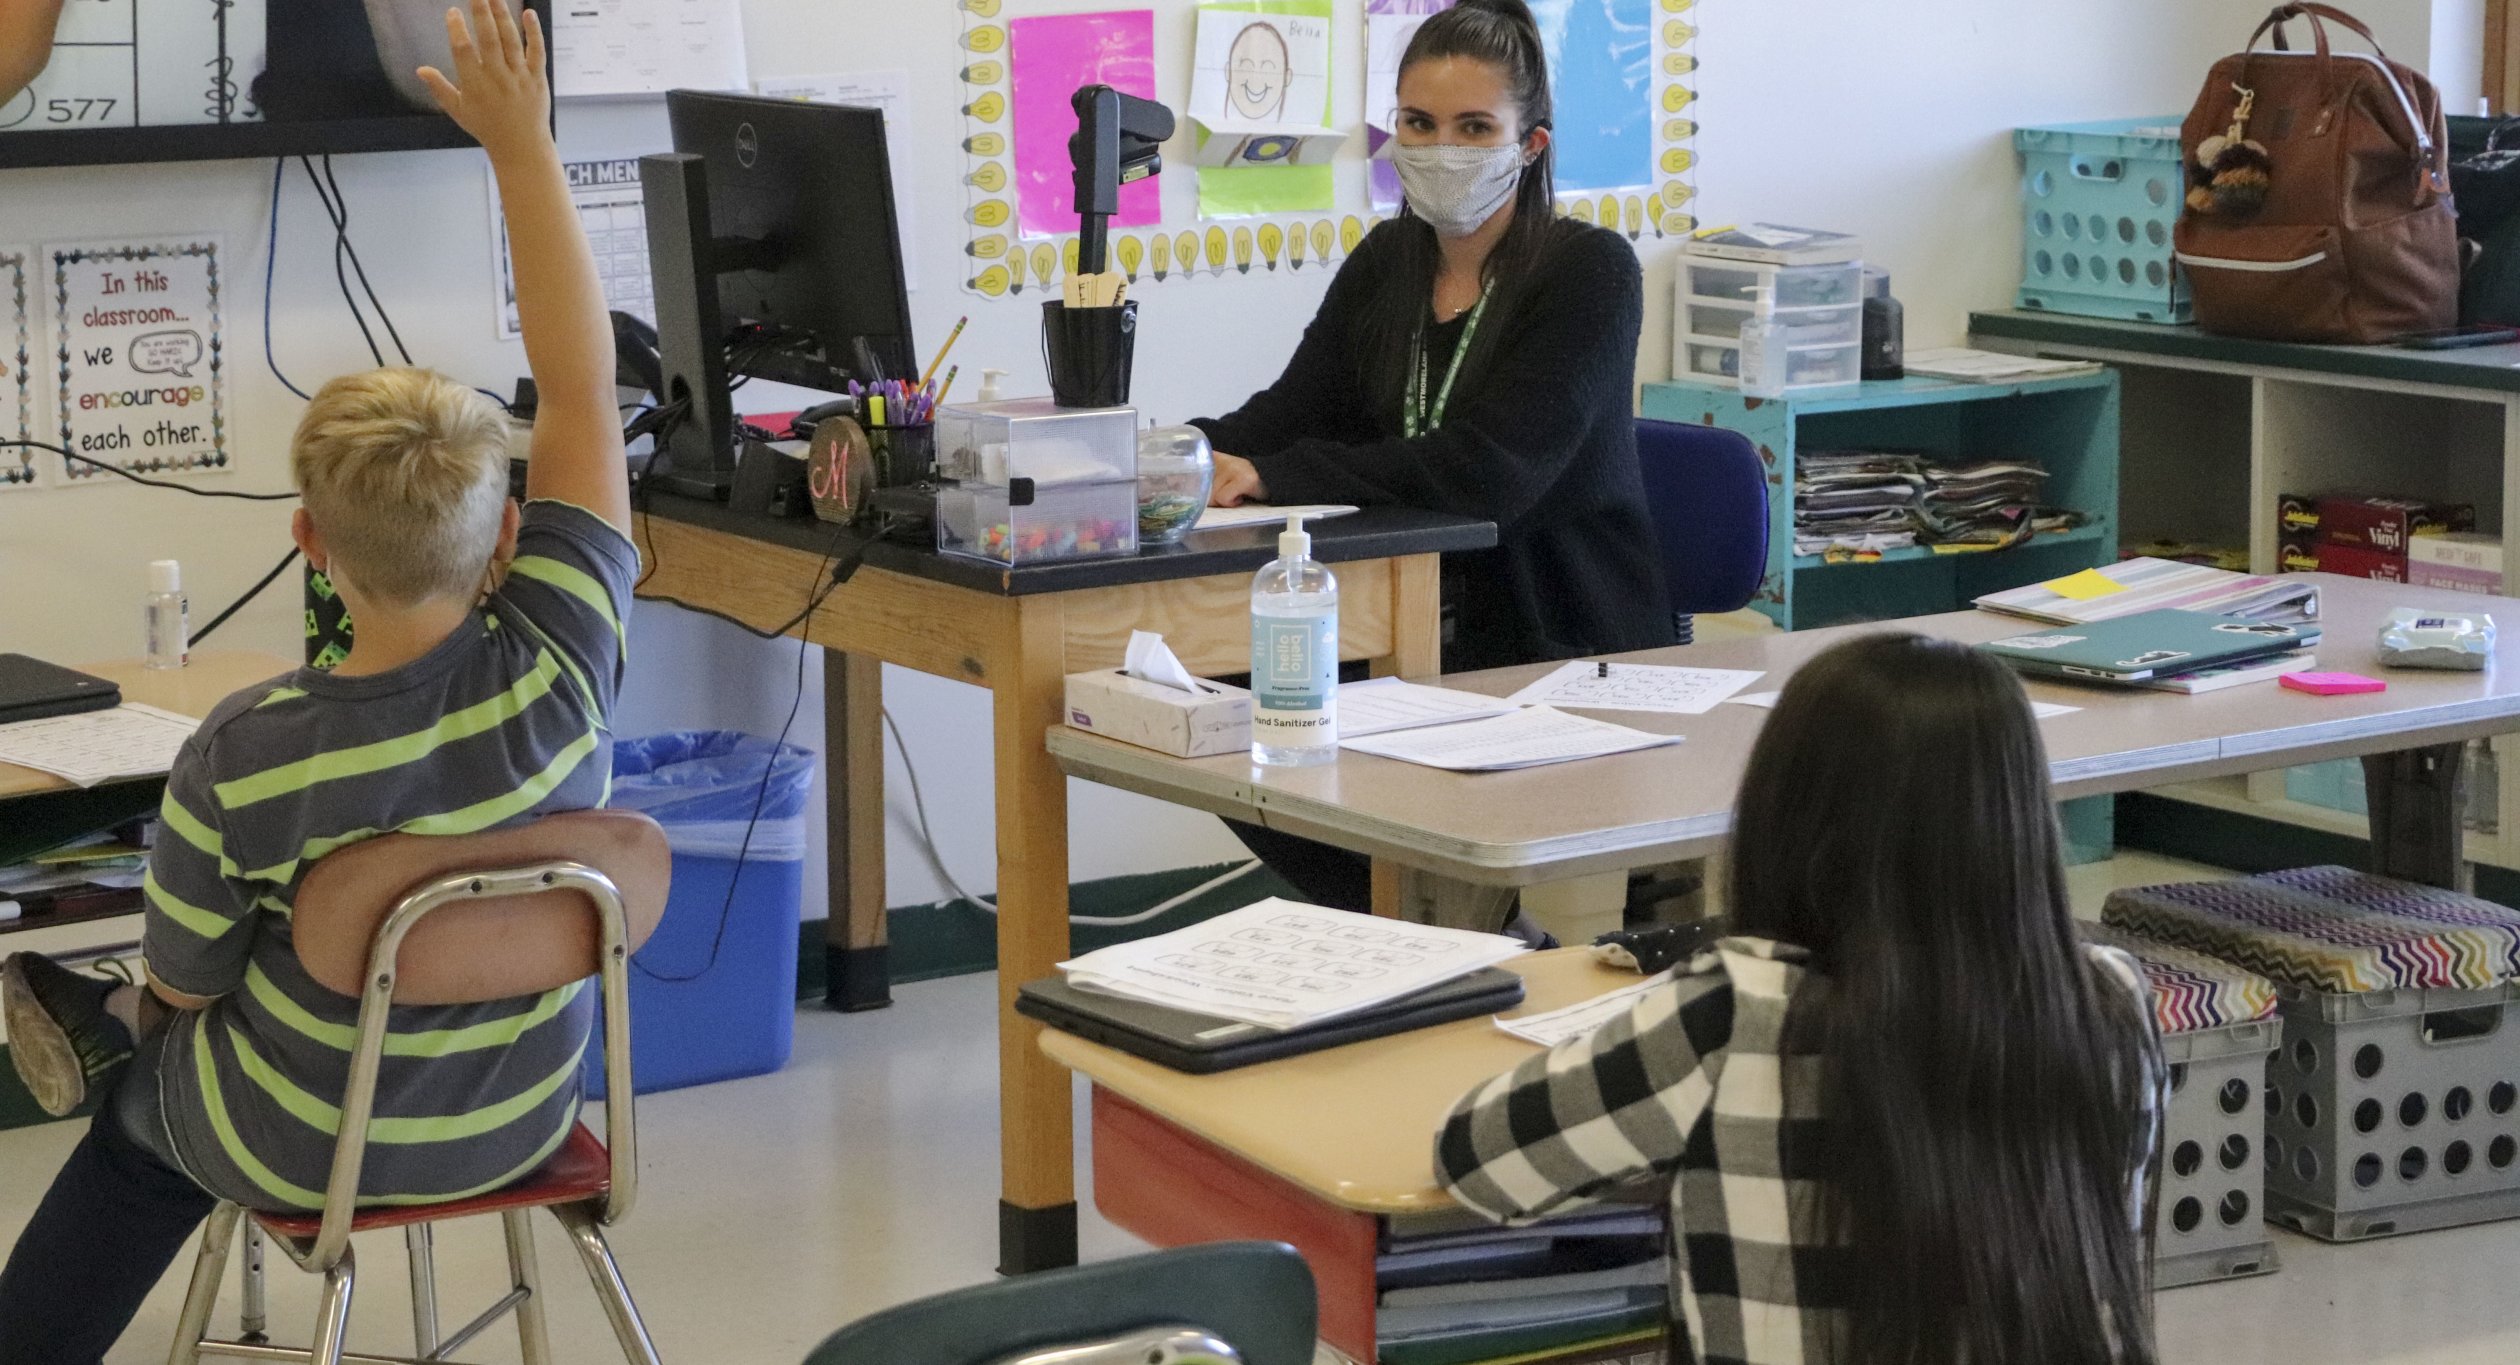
[[61, 1038]]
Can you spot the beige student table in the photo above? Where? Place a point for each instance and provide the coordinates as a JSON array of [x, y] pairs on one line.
[[1017, 632], [188, 691], [1475, 834], [1321, 1151]]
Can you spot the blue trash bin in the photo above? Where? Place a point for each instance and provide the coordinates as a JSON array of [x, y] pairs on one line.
[[713, 993]]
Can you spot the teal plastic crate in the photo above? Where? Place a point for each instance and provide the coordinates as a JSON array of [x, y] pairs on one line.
[[2098, 203]]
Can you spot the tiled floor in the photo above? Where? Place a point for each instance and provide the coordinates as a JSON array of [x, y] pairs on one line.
[[777, 1208]]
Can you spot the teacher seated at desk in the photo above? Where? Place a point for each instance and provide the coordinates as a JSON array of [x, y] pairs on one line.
[[1475, 355]]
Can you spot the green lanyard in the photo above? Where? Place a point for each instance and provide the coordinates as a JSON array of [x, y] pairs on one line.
[[1416, 418]]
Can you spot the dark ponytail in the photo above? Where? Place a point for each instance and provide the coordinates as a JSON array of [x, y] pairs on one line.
[[1503, 34]]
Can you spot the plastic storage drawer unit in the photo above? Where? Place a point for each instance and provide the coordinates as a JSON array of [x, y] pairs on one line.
[[2098, 203], [2218, 1026], [2393, 1104]]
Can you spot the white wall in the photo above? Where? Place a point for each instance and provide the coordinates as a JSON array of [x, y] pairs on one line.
[[1890, 120]]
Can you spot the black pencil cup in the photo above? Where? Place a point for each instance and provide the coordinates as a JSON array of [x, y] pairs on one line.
[[905, 456], [1090, 353]]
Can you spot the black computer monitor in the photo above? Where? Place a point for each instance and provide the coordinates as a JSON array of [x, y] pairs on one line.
[[777, 254]]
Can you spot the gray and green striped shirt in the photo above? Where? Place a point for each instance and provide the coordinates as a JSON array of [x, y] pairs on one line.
[[503, 721]]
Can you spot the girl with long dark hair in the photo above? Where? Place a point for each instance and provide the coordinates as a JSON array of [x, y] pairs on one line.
[[1905, 1117], [1477, 355]]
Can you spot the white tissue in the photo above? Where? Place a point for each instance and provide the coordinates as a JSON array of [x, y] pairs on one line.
[[1150, 658]]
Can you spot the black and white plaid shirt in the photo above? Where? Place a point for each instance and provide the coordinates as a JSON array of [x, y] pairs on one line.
[[1695, 1085]]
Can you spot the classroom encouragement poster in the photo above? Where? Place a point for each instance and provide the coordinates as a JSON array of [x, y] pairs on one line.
[[137, 335]]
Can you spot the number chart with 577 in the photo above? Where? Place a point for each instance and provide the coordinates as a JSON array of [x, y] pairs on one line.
[[143, 63]]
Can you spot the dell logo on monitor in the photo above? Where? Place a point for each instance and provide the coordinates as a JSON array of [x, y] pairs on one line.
[[747, 146]]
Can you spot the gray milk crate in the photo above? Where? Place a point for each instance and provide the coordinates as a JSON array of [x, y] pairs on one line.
[[2217, 1026], [2212, 1221], [2394, 1111]]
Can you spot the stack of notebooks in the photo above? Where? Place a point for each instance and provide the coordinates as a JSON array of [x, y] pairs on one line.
[[2164, 593], [1452, 1290], [1864, 501], [88, 879]]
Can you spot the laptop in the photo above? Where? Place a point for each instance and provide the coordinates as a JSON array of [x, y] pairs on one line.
[[31, 689], [1203, 1044], [2151, 644]]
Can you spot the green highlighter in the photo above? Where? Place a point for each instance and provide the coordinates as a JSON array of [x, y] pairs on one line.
[[2152, 644]]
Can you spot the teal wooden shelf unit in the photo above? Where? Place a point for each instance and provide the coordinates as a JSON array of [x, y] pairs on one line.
[[2068, 426]]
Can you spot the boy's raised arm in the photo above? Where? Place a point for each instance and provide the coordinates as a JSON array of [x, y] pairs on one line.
[[500, 94]]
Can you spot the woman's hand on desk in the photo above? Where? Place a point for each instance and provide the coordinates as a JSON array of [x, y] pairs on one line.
[[1237, 482]]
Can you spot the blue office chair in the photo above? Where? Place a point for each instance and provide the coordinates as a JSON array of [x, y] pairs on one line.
[[1256, 1297], [1708, 492]]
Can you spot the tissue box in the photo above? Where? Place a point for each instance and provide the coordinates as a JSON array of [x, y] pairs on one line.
[[1165, 719]]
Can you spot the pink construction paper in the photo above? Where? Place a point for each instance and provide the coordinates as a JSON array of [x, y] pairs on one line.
[[2332, 684], [1052, 56]]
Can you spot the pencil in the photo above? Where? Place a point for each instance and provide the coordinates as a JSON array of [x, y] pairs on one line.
[[942, 352], [948, 386]]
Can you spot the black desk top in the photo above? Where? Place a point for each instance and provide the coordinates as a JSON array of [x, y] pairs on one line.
[[2490, 368], [1374, 533]]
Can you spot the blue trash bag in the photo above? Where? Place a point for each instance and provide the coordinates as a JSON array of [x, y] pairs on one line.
[[703, 786]]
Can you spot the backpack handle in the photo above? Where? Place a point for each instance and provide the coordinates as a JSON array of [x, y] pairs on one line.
[[2316, 14]]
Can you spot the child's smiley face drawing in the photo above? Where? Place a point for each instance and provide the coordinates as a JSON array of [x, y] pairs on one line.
[[1257, 68]]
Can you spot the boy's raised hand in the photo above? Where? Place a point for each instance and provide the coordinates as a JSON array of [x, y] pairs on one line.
[[500, 92]]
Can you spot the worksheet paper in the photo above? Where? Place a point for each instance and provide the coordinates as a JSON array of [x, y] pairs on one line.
[[1766, 701], [1521, 739], [131, 740], [1387, 705], [1574, 1021], [1261, 514], [646, 47], [1585, 686], [1281, 964]]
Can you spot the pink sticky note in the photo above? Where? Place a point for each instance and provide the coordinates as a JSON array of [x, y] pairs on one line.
[[2332, 684], [1052, 55]]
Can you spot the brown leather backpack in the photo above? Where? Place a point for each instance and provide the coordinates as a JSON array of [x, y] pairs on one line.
[[2319, 205]]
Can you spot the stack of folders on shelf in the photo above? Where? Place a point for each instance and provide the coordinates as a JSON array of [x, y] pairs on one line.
[[1865, 501], [85, 879], [2138, 585], [1453, 1290]]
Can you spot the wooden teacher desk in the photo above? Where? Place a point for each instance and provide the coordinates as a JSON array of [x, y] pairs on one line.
[[1019, 632], [1465, 834], [1316, 1151]]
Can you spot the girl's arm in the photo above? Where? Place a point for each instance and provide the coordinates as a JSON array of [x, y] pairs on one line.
[[26, 40], [1593, 1114], [1505, 445]]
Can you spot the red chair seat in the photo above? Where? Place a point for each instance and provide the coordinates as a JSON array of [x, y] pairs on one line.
[[581, 1170]]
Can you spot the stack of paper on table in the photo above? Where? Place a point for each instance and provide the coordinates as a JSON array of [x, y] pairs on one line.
[[1282, 965], [2137, 585], [131, 740], [1521, 739], [1990, 367], [1262, 514], [1381, 706]]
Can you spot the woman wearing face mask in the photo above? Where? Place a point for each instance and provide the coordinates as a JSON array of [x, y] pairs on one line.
[[1475, 355]]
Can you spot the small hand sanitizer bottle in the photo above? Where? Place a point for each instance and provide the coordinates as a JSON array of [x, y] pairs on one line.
[[1294, 656], [1764, 354], [166, 618]]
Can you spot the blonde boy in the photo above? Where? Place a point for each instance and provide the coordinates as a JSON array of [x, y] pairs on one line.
[[488, 650]]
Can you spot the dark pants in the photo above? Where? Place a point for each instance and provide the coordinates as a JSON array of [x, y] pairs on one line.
[[113, 1221], [1326, 876]]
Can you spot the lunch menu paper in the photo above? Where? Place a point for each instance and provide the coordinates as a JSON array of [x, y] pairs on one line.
[[1281, 964]]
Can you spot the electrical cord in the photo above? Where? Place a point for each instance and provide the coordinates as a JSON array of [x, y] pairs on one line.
[[121, 472], [250, 594], [936, 858], [340, 209], [822, 589], [271, 267], [341, 273]]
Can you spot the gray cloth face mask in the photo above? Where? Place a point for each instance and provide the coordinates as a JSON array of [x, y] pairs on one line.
[[1457, 189]]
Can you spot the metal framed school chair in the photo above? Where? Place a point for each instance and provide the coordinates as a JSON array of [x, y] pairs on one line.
[[1254, 1297], [1708, 493], [415, 920]]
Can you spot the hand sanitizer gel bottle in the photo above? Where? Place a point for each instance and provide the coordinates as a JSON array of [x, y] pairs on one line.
[[169, 632], [1764, 354], [1294, 656]]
